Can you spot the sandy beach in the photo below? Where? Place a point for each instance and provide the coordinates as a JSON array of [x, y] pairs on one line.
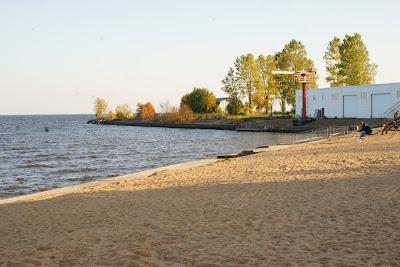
[[331, 203]]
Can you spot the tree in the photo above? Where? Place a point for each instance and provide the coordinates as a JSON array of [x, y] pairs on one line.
[[211, 103], [165, 107], [123, 112], [249, 74], [100, 107], [231, 84], [200, 100], [235, 106], [293, 57], [348, 63], [185, 100], [146, 111], [332, 59], [267, 90]]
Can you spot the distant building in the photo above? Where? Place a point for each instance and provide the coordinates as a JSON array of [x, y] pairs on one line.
[[222, 103], [364, 101], [276, 105]]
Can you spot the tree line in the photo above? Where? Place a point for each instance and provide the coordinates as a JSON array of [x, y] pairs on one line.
[[251, 84], [144, 112], [122, 112]]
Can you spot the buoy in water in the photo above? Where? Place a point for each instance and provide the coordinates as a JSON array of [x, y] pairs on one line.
[[46, 129]]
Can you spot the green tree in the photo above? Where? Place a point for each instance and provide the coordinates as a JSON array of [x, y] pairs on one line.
[[293, 57], [267, 89], [200, 100], [231, 84], [352, 63], [100, 107], [249, 75], [332, 59], [235, 106]]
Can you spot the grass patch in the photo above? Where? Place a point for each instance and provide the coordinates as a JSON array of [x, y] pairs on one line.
[[255, 116]]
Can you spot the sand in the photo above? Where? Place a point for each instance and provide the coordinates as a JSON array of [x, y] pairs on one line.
[[332, 203]]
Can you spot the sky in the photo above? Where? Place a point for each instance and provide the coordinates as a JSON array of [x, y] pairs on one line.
[[56, 57]]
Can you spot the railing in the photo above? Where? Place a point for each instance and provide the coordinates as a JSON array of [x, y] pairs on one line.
[[312, 135], [389, 114]]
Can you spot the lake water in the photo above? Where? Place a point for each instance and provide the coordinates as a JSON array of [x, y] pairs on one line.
[[74, 152]]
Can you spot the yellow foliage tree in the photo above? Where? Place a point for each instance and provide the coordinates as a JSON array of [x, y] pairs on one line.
[[110, 116], [146, 111], [123, 112], [100, 107]]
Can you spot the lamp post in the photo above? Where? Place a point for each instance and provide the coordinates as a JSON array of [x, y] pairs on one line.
[[304, 77]]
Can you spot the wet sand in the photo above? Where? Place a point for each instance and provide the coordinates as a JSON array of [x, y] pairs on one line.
[[332, 203]]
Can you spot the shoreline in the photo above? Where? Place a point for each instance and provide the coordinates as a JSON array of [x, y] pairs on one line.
[[331, 202], [136, 175]]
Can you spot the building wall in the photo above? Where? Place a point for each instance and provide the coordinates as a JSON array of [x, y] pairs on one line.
[[276, 105], [223, 104], [332, 99]]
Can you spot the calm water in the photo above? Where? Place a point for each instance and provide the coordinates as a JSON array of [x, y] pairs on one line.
[[73, 152]]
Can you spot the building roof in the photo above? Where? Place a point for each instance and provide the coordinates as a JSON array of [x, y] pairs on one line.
[[220, 99], [358, 86]]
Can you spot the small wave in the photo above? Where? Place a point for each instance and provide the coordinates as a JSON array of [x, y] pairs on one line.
[[78, 170], [17, 148], [40, 189], [87, 169], [63, 171], [61, 157], [42, 156], [89, 156], [30, 166], [20, 180], [107, 146], [88, 178]]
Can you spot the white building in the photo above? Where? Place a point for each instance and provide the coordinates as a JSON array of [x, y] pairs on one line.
[[364, 101], [222, 103]]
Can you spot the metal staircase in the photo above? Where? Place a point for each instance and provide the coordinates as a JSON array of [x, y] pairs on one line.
[[390, 113]]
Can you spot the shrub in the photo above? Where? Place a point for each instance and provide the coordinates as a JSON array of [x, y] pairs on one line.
[[200, 100], [247, 111], [235, 107], [146, 111], [174, 115], [237, 120], [110, 116], [123, 112], [186, 114]]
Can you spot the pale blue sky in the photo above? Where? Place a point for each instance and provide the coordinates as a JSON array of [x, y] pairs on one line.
[[57, 56]]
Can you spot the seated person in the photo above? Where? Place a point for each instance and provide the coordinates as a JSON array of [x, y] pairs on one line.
[[364, 130]]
